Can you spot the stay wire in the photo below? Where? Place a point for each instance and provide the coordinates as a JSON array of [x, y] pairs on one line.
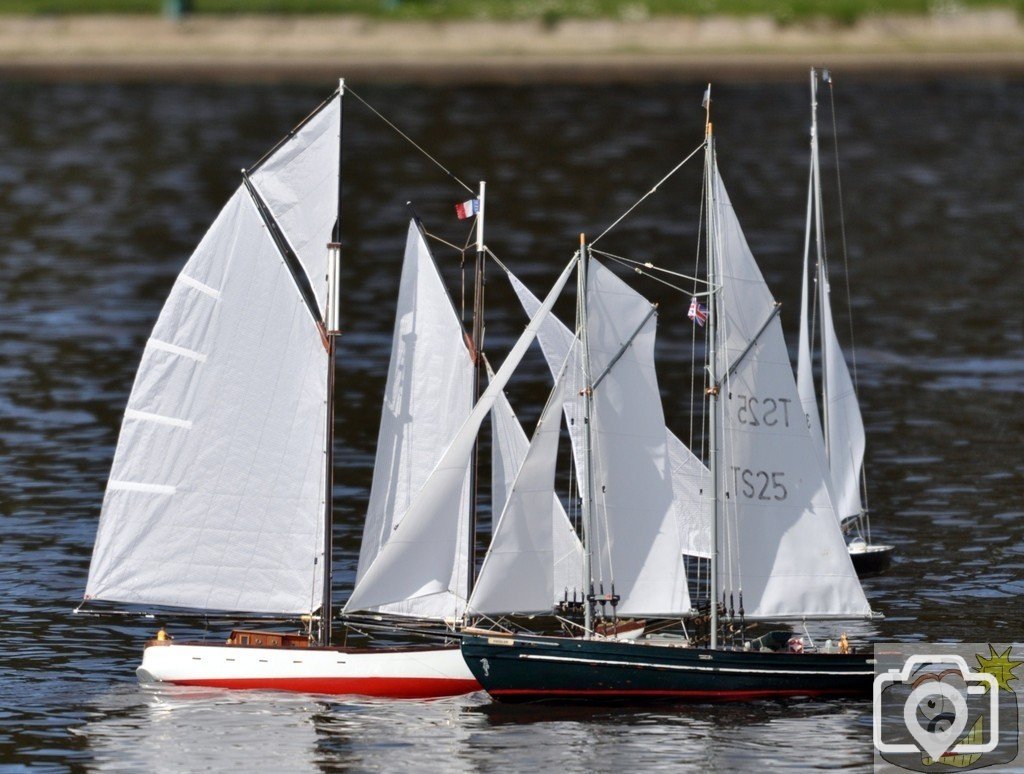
[[643, 198], [849, 301], [408, 139]]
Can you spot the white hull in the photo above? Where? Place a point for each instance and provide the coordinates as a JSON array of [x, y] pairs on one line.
[[388, 672]]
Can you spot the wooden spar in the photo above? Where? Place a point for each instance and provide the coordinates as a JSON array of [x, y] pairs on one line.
[[588, 482], [712, 355], [476, 350], [332, 330]]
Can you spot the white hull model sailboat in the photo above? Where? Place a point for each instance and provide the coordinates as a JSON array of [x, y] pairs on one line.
[[840, 430], [220, 493]]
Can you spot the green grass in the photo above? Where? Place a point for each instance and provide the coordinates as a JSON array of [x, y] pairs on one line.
[[549, 11]]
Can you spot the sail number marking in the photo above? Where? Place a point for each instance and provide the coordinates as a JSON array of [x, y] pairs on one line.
[[759, 484], [754, 411]]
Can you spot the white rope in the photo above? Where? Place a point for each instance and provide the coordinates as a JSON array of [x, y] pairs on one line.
[[404, 136], [640, 201], [849, 303], [639, 266]]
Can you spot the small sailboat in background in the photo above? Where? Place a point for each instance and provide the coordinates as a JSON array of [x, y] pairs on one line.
[[839, 429], [220, 493], [776, 545]]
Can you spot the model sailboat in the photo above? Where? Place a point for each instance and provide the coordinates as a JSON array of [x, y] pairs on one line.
[[840, 429], [777, 548], [220, 494]]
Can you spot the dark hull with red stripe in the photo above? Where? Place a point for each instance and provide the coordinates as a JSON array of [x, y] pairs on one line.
[[556, 669]]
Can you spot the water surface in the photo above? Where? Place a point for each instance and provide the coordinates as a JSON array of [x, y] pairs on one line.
[[104, 191]]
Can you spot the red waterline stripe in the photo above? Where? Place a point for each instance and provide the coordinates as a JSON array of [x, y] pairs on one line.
[[389, 687]]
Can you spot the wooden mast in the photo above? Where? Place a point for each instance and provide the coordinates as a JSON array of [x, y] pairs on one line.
[[713, 462], [332, 325], [479, 283]]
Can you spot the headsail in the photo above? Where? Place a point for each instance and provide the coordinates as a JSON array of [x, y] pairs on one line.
[[845, 427], [518, 573], [427, 398], [508, 451], [416, 560], [779, 542], [215, 497]]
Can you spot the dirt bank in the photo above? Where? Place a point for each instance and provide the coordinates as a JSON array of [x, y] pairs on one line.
[[268, 48]]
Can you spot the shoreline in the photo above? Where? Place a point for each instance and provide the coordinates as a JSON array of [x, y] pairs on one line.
[[257, 48]]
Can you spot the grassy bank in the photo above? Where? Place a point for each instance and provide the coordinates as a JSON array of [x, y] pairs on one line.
[[549, 11]]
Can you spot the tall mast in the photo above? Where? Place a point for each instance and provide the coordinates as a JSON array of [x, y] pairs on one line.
[[478, 345], [332, 329], [588, 482], [822, 270], [712, 225]]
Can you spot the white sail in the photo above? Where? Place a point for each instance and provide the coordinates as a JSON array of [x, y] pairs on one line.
[[845, 426], [299, 183], [779, 542], [417, 559], [635, 542], [428, 396], [215, 497], [508, 451], [517, 575], [804, 367], [689, 474]]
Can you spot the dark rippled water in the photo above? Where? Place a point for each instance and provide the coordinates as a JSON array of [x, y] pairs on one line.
[[105, 189]]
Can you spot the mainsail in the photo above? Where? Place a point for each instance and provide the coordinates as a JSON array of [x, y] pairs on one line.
[[636, 541], [690, 502], [779, 541], [216, 494], [844, 439], [427, 398]]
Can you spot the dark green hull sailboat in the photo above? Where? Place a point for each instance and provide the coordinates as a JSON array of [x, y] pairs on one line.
[[561, 669]]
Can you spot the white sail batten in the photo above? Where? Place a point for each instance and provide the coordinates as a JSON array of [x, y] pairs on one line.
[[845, 425], [689, 475], [428, 396], [636, 542], [215, 498], [299, 183], [508, 451], [417, 558], [518, 572], [779, 543]]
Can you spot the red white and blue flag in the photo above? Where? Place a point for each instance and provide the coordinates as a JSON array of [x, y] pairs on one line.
[[698, 312], [467, 209]]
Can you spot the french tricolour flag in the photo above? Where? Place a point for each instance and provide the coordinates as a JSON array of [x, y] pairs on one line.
[[467, 209]]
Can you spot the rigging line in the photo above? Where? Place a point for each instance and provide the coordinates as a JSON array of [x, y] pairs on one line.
[[657, 185], [846, 270], [652, 267], [645, 274], [693, 327], [408, 139], [443, 241]]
